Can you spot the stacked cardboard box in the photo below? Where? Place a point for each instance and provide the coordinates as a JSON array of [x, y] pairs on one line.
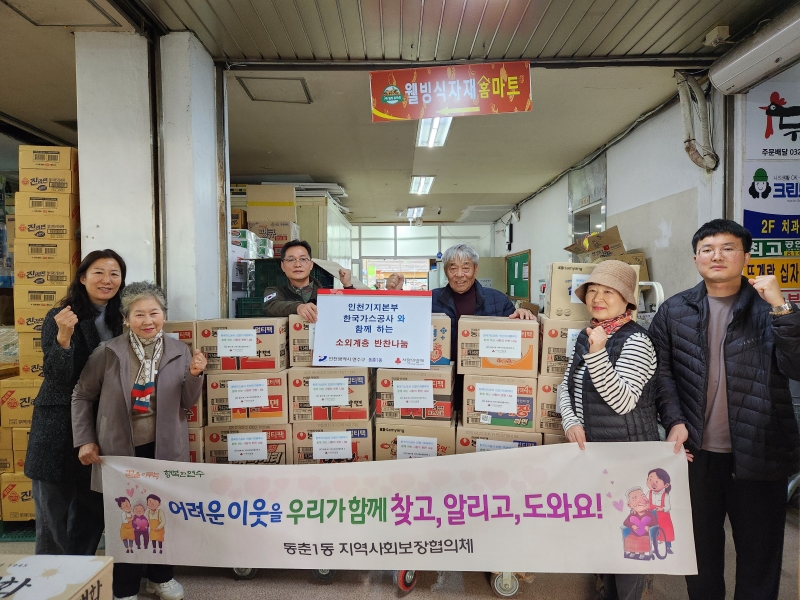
[[184, 331], [272, 214], [16, 410], [268, 367], [498, 358], [46, 243], [256, 247]]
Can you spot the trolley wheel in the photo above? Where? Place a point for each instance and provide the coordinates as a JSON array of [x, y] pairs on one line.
[[504, 585], [659, 543], [324, 576], [405, 580], [244, 573]]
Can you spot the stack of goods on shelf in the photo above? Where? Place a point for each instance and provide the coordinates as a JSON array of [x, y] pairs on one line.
[[498, 358], [246, 404], [564, 317], [16, 410], [272, 214], [46, 243]]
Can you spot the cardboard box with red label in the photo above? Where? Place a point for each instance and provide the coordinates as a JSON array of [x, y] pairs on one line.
[[547, 418], [38, 274], [522, 419], [556, 343], [276, 412], [300, 339], [196, 444], [182, 331], [360, 438], [467, 438], [562, 279], [387, 430], [29, 320], [358, 386], [17, 497], [271, 337], [441, 339], [279, 443], [505, 362], [16, 401], [442, 380]]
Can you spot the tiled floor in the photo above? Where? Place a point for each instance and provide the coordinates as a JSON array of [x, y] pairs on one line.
[[219, 584]]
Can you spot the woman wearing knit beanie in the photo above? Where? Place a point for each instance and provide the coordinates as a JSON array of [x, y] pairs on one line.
[[605, 395]]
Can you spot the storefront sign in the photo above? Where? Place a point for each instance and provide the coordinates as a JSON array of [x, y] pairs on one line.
[[544, 508], [771, 198], [773, 119], [370, 328], [787, 270], [775, 248], [454, 91]]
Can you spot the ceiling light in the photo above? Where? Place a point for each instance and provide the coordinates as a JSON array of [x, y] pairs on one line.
[[414, 212], [433, 132], [421, 184]]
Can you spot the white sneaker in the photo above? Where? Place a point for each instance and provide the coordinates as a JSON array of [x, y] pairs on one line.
[[169, 590]]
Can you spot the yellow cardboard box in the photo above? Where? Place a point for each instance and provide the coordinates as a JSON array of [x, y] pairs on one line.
[[37, 203], [17, 497], [360, 438], [556, 343], [38, 296], [16, 401], [271, 339], [19, 461], [547, 416], [65, 252], [301, 337], [29, 320], [20, 437], [48, 180], [52, 577], [47, 227], [6, 461], [279, 443], [31, 366], [388, 430], [60, 158], [43, 274], [6, 438], [276, 412]]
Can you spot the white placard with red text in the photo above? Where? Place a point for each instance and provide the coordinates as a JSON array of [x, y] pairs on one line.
[[372, 328]]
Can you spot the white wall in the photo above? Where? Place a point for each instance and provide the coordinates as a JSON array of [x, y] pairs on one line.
[[190, 171], [655, 194], [116, 150], [543, 229]]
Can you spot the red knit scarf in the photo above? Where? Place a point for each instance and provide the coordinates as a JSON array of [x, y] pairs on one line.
[[613, 325]]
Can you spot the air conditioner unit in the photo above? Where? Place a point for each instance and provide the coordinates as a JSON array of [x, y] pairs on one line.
[[765, 54]]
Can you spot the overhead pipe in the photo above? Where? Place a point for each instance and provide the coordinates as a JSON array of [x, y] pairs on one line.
[[702, 154]]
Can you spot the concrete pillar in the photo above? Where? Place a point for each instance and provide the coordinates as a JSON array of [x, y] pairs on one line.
[[116, 149], [190, 178]]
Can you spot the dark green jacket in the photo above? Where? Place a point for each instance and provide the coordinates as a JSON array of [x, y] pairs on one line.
[[283, 301]]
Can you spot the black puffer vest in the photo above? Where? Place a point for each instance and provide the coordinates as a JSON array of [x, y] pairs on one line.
[[600, 422]]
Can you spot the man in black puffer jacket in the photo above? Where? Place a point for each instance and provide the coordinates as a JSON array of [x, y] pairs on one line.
[[726, 351]]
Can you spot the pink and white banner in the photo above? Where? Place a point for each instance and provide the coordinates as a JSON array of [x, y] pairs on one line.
[[612, 508]]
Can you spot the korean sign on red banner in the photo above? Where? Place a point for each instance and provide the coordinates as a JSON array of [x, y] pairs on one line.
[[606, 509], [452, 91], [373, 328]]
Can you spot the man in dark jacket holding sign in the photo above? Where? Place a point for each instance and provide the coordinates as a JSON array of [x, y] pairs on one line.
[[299, 295], [726, 351]]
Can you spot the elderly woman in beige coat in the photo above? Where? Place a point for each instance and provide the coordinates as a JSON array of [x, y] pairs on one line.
[[143, 382]]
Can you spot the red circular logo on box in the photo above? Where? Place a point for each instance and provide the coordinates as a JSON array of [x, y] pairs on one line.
[[464, 441], [206, 333], [547, 389], [13, 497], [298, 326], [214, 437], [471, 388], [385, 382], [465, 333], [297, 382], [13, 403], [26, 368], [214, 385], [553, 333], [301, 435]]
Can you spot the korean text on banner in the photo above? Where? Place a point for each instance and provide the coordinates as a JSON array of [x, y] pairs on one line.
[[592, 507], [452, 91], [371, 328]]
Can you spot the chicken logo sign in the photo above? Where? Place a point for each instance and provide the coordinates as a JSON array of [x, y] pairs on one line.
[[777, 109]]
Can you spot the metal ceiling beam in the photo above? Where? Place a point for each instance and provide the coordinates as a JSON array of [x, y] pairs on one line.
[[140, 17], [674, 61], [28, 134]]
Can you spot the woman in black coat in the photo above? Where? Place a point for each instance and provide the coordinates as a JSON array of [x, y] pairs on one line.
[[69, 516]]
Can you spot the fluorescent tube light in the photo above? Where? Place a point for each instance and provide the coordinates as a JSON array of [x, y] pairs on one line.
[[421, 184], [433, 132]]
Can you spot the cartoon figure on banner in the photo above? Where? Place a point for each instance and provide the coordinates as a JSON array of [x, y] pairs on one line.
[[658, 483], [760, 186], [140, 524], [637, 527], [155, 516], [777, 108], [126, 528]]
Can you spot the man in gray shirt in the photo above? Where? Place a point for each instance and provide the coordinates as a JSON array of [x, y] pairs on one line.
[[727, 349]]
